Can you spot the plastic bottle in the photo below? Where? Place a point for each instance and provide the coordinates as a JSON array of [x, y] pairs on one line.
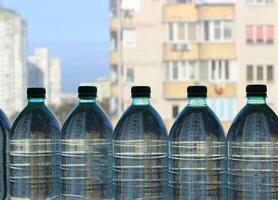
[[253, 149], [197, 151], [87, 150], [34, 151], [140, 151]]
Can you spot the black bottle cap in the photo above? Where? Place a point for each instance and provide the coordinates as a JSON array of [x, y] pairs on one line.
[[197, 91], [87, 91], [36, 92], [256, 90], [141, 91]]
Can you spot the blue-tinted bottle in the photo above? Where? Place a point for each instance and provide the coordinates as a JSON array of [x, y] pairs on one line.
[[4, 133], [34, 151], [253, 149], [197, 164], [87, 150], [140, 151]]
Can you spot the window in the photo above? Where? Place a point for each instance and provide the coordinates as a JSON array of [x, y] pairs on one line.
[[263, 73], [260, 75], [249, 73], [218, 31], [129, 38], [181, 70], [259, 2], [259, 34], [181, 32], [223, 107], [175, 111], [114, 74], [130, 75], [269, 73], [269, 34], [220, 70]]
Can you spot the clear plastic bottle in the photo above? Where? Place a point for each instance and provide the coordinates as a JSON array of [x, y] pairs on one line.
[[197, 164], [4, 133], [140, 151], [87, 150], [253, 149], [34, 151]]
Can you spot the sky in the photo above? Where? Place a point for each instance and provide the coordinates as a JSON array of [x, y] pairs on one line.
[[76, 31]]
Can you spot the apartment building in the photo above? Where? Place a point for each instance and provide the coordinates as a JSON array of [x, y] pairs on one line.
[[136, 54], [12, 61], [170, 45], [257, 49], [45, 71]]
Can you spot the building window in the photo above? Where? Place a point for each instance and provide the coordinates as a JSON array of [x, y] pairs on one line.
[[224, 108], [181, 32], [262, 73], [259, 34], [181, 70], [130, 75], [269, 73], [114, 74], [249, 73], [175, 111], [218, 31], [129, 38], [259, 2]]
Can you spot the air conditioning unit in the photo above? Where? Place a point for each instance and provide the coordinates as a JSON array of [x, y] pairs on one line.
[[181, 47]]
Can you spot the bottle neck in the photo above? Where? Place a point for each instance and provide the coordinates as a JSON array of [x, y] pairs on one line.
[[255, 100], [140, 101], [36, 100], [197, 101], [87, 100]]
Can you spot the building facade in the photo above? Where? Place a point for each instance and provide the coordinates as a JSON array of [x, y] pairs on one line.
[[170, 45], [45, 71], [12, 61], [256, 41]]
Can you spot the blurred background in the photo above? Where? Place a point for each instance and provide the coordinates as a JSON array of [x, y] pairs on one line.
[[167, 44]]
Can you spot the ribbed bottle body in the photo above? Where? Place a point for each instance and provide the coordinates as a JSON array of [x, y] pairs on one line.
[[86, 149], [140, 155], [197, 164], [34, 155], [253, 154]]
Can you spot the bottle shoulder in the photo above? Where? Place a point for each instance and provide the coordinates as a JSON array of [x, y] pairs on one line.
[[35, 118], [87, 119], [4, 121], [254, 122], [140, 121], [197, 123]]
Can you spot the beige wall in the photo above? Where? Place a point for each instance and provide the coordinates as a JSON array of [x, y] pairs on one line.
[[256, 54]]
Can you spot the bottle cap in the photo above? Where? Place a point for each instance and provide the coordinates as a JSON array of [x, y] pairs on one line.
[[87, 91], [197, 91], [36, 92], [141, 91], [256, 90]]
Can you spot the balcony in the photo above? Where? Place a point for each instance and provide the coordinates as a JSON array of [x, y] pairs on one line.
[[215, 12], [222, 90], [114, 23], [180, 11], [177, 89], [217, 51], [114, 57]]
